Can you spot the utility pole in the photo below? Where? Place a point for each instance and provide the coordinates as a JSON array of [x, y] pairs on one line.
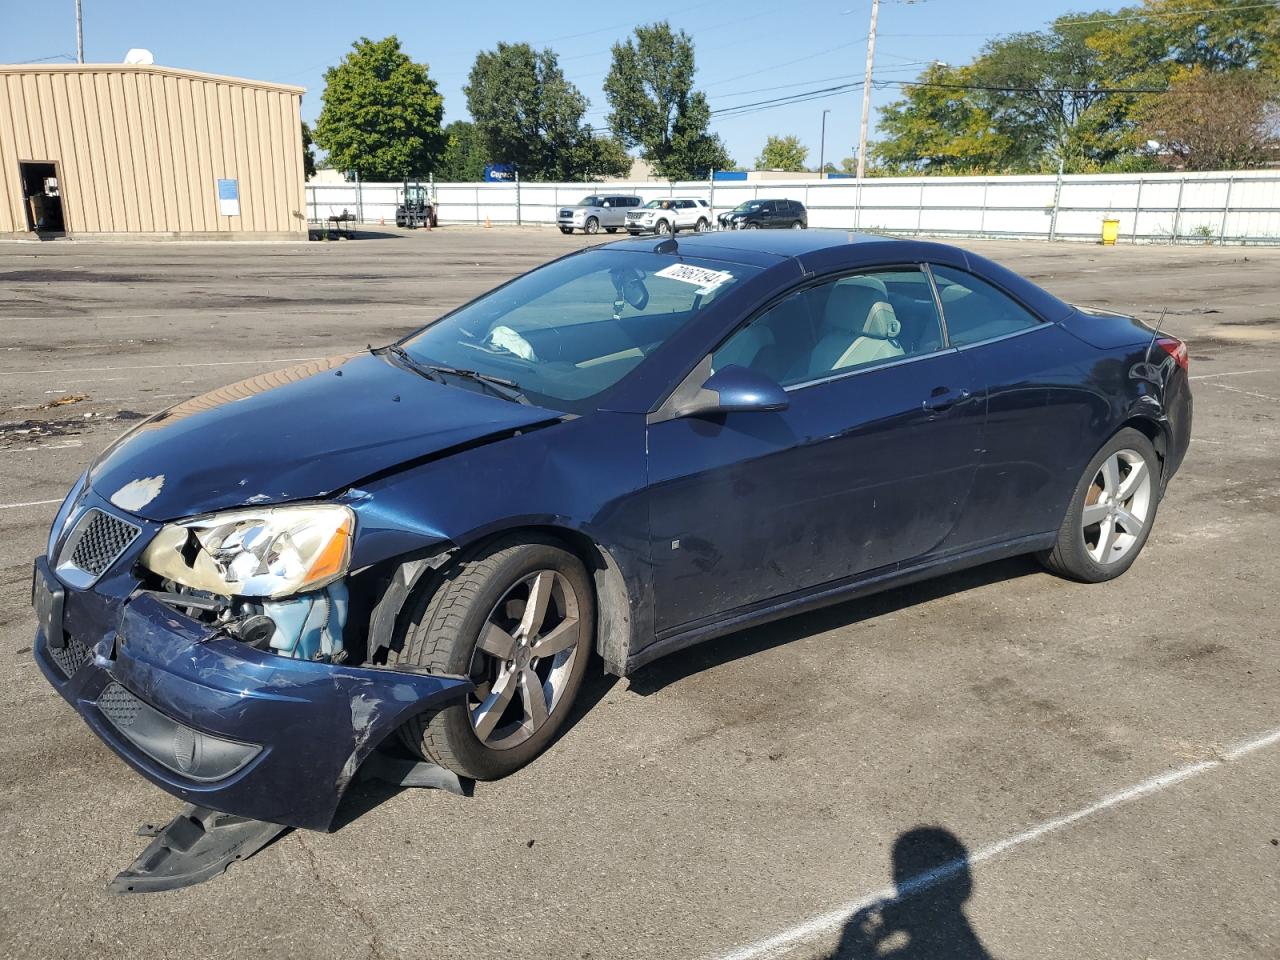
[[866, 90], [822, 148], [79, 34]]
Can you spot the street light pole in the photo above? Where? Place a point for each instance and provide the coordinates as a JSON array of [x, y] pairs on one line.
[[866, 90], [79, 34], [822, 148]]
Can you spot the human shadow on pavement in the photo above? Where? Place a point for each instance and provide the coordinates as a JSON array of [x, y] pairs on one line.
[[925, 920]]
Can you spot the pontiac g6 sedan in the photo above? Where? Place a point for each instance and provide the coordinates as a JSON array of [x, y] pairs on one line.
[[624, 452]]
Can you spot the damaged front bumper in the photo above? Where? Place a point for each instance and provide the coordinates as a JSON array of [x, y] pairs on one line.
[[216, 722]]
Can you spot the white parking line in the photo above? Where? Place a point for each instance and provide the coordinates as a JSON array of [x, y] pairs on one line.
[[29, 503], [1245, 393], [831, 921], [160, 366], [1234, 373]]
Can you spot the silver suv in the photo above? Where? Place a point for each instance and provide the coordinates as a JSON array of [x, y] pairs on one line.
[[598, 210]]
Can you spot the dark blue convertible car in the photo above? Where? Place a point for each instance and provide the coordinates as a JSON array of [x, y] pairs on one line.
[[624, 452]]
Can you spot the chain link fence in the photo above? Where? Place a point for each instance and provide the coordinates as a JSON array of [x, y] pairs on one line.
[[1239, 208]]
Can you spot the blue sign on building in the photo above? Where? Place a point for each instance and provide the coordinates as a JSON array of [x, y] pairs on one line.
[[499, 173], [730, 175]]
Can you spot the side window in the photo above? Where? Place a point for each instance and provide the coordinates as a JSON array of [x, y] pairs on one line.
[[975, 310], [838, 326]]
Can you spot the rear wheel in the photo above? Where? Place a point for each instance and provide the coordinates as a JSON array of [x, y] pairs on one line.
[[519, 620], [1111, 513], [797, 225], [592, 226], [702, 226]]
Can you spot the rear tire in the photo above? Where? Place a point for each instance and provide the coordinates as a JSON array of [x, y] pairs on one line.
[[702, 226], [484, 599], [797, 225], [1111, 512]]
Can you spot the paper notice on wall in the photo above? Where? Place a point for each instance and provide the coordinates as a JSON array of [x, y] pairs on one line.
[[700, 277], [229, 198]]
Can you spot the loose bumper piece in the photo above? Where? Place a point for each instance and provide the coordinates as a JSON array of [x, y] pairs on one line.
[[218, 723]]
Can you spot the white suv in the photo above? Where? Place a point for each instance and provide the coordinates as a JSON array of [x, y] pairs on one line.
[[670, 215]]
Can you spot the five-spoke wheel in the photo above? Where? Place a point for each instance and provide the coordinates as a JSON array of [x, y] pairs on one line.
[[518, 619], [1111, 512]]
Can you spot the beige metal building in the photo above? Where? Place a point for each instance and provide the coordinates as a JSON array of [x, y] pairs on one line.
[[141, 151]]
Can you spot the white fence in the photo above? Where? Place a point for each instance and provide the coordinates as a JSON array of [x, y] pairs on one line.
[[1242, 207]]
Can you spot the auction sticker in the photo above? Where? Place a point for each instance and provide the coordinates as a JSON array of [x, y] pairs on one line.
[[708, 280]]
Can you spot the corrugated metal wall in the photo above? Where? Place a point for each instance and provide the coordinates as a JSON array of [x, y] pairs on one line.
[[140, 149]]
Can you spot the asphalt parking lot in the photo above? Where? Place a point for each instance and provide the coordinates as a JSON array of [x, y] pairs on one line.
[[1106, 757]]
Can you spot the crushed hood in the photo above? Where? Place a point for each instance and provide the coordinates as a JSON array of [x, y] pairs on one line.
[[302, 432]]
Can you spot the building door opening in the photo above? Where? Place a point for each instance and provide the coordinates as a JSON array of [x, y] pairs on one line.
[[42, 197]]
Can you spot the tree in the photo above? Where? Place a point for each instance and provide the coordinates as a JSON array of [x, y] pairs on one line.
[[653, 105], [1031, 100], [527, 113], [381, 114], [1215, 120], [308, 154], [782, 153], [464, 158]]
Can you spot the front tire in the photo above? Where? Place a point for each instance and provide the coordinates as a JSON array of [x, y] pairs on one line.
[[1111, 512], [610, 229], [591, 227], [519, 620], [797, 225], [566, 230], [662, 228]]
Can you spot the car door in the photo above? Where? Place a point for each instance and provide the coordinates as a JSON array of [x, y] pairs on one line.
[[613, 214], [1039, 420], [868, 467]]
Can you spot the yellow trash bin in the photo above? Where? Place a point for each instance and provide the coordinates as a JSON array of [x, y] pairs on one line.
[[1110, 232]]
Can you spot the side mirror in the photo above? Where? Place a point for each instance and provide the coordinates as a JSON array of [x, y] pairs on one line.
[[734, 389]]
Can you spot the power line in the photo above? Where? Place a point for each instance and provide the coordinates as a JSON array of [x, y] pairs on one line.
[[1194, 12], [993, 89]]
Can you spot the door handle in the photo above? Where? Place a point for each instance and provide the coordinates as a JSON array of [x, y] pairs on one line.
[[942, 399]]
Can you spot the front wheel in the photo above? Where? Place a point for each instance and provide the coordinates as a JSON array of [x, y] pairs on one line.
[[592, 226], [797, 225], [662, 228], [1111, 513], [566, 230], [518, 619], [611, 229]]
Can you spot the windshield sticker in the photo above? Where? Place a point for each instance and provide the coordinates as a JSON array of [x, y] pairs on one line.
[[706, 280]]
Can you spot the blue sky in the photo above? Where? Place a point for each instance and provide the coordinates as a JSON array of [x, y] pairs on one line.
[[748, 50]]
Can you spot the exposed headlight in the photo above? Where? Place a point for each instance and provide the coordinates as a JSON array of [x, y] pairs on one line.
[[271, 552]]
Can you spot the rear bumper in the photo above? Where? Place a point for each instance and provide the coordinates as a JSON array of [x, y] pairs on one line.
[[281, 738]]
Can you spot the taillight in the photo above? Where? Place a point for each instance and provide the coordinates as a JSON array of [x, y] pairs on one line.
[[1176, 349]]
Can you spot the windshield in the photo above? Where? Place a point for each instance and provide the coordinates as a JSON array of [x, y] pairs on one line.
[[658, 205], [590, 201], [749, 206], [570, 330]]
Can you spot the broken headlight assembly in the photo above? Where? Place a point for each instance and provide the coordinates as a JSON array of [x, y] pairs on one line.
[[270, 553]]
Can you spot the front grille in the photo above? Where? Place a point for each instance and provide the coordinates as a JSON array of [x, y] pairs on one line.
[[97, 542], [71, 657], [566, 214], [119, 705]]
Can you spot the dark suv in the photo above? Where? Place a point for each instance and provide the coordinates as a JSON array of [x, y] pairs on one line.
[[758, 214]]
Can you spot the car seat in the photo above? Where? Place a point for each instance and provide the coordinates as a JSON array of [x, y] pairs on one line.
[[861, 327]]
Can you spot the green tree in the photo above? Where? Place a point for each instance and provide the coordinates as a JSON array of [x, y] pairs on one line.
[[782, 153], [308, 154], [527, 113], [1031, 100], [653, 105], [381, 114], [464, 158]]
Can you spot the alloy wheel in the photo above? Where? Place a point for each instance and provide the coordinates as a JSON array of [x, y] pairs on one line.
[[1117, 506], [523, 659], [592, 226]]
